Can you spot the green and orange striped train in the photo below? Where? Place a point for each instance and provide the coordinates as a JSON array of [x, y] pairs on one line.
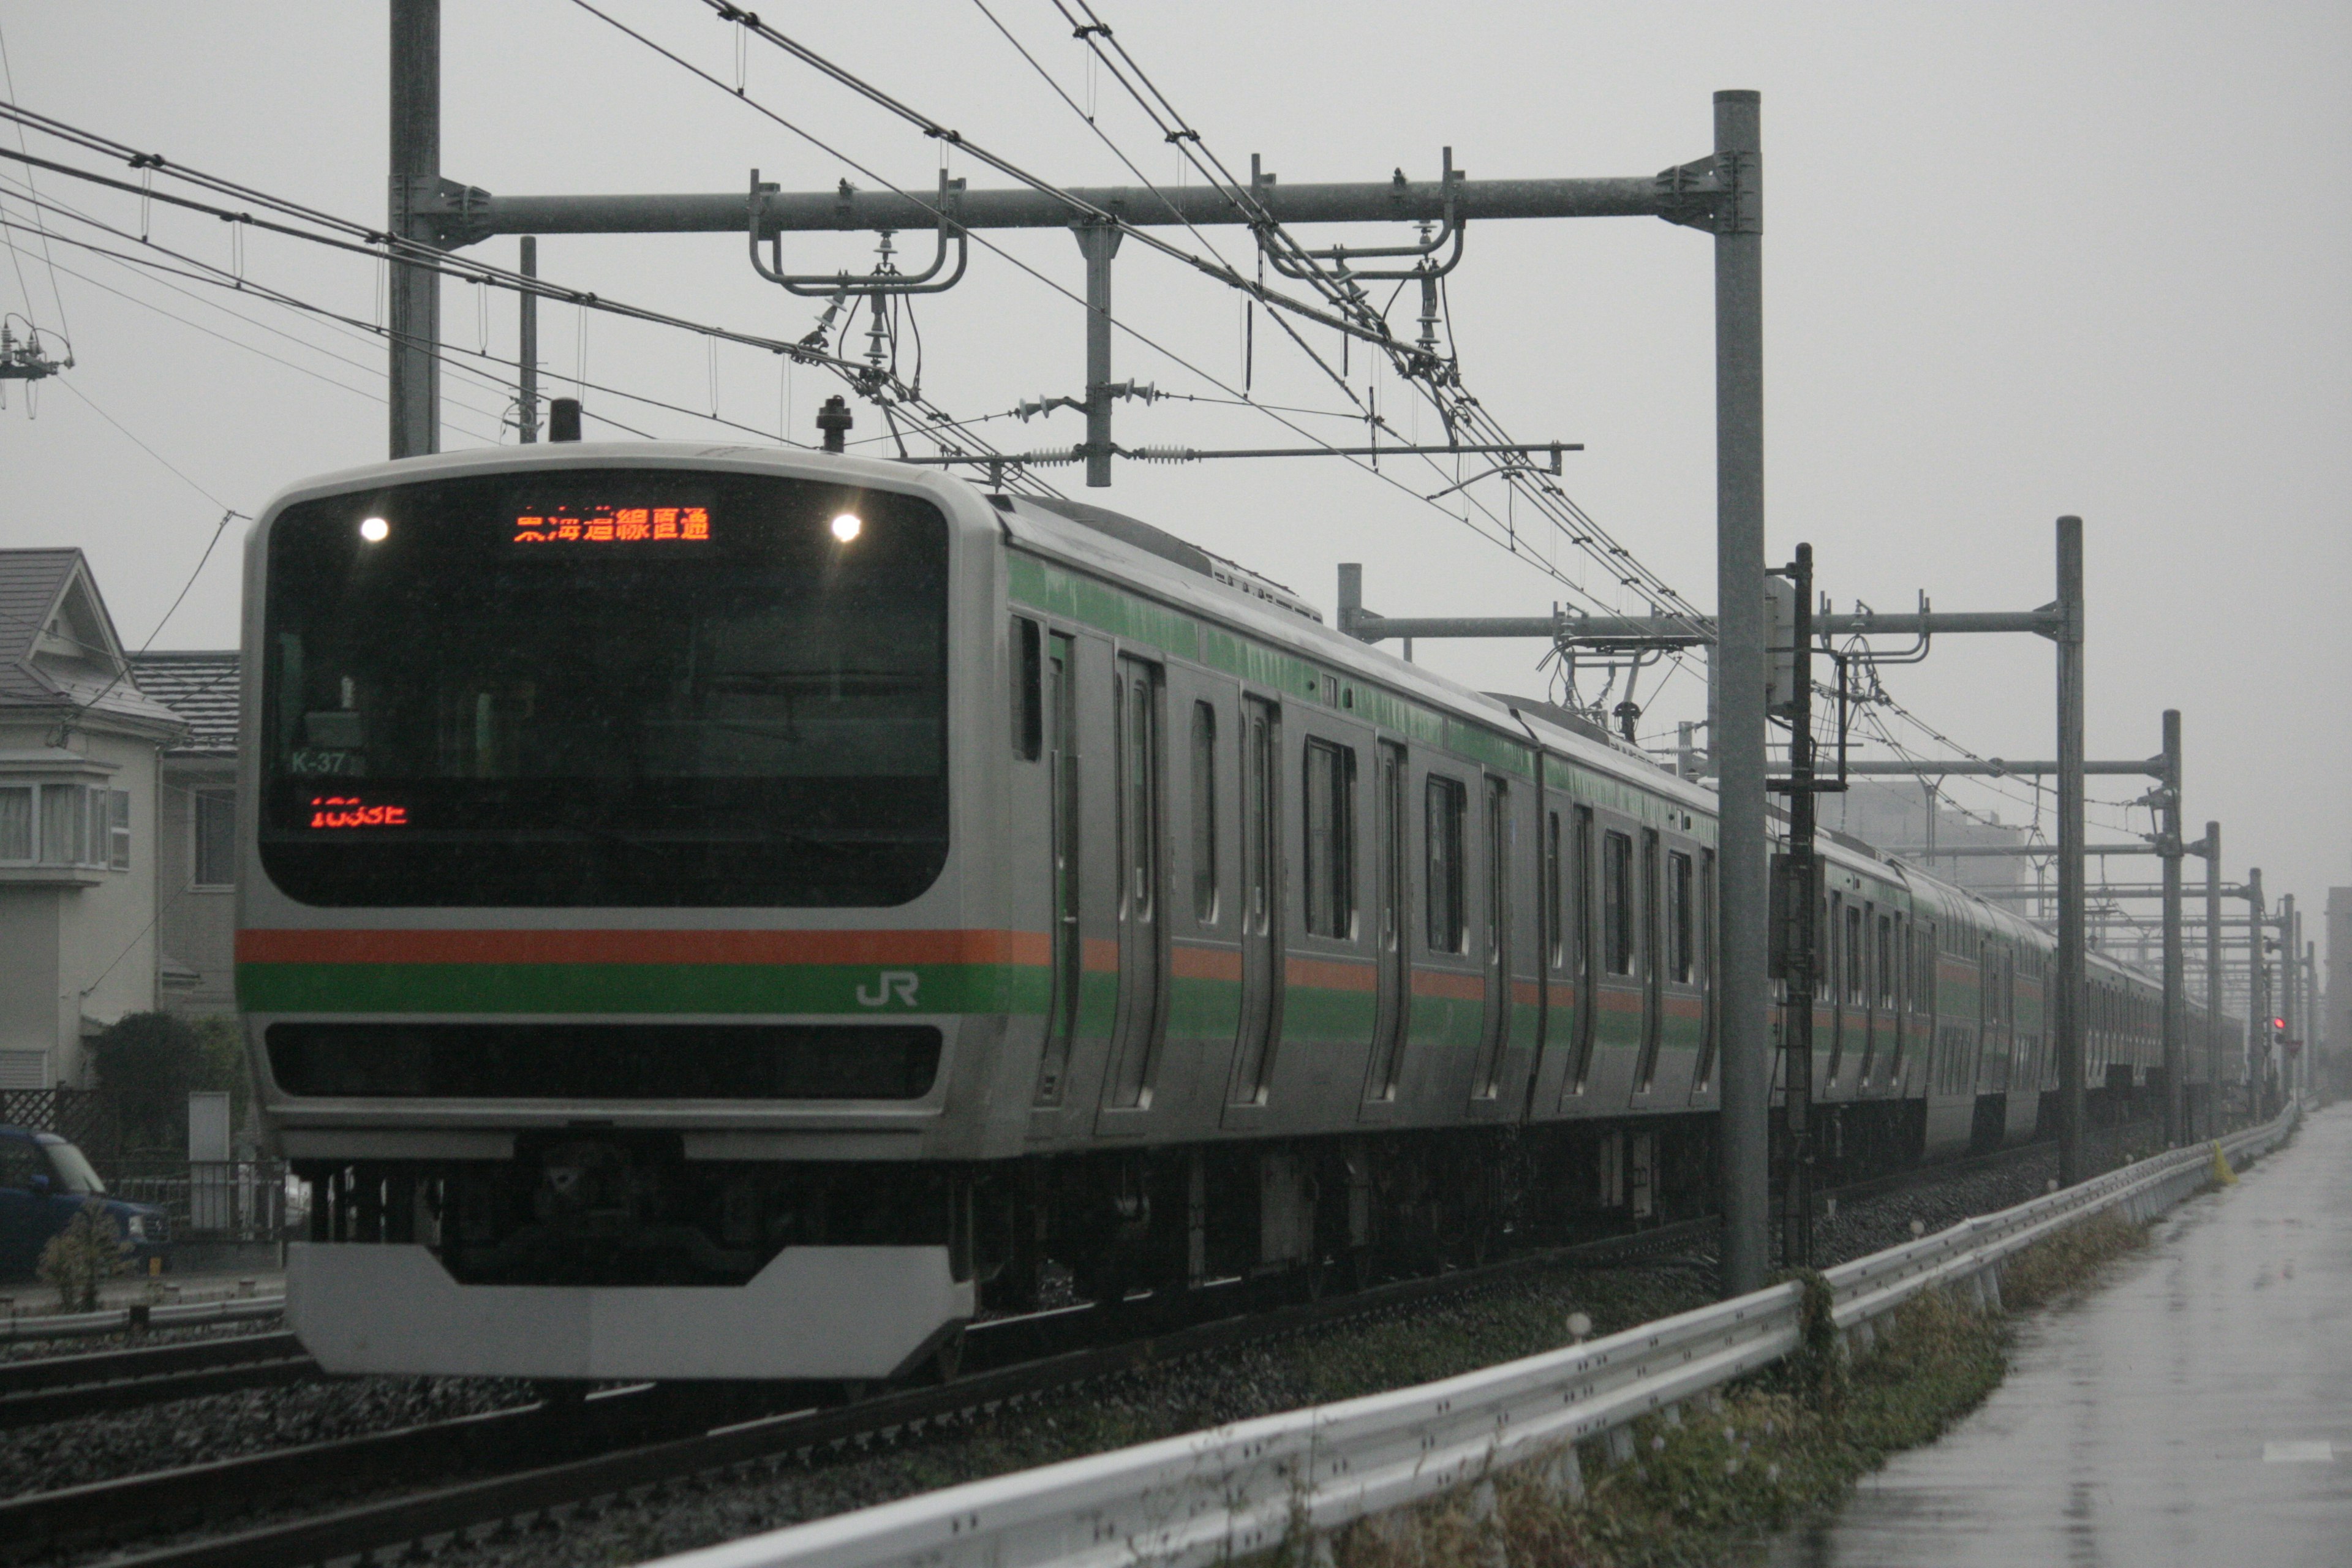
[[715, 912]]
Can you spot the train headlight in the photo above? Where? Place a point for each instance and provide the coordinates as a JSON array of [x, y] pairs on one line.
[[847, 527], [374, 530]]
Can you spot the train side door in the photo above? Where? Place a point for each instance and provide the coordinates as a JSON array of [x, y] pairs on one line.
[[1058, 722], [1392, 866], [1137, 725], [1583, 945], [1495, 1023], [1654, 967], [1703, 938], [1261, 905]]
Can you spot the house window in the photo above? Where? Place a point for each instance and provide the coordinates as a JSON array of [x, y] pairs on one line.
[[15, 825], [64, 824], [215, 829]]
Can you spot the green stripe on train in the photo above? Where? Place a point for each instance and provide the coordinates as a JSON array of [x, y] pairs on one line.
[[640, 988]]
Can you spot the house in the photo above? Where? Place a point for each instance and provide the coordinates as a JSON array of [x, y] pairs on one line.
[[195, 849], [82, 765]]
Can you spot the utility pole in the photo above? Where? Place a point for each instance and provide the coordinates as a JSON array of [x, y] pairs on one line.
[[527, 355], [414, 293], [1738, 673], [2258, 991], [2213, 979], [2289, 1015], [2176, 1060], [2068, 1011], [1097, 242]]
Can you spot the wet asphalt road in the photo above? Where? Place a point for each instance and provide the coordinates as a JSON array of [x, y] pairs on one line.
[[2196, 1409]]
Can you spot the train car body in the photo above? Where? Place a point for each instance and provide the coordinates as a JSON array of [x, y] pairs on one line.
[[715, 912]]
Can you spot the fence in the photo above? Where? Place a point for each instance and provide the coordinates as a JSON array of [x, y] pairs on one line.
[[1229, 1492], [209, 1200], [89, 1119]]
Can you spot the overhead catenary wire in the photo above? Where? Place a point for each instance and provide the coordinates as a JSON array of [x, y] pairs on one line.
[[65, 329], [156, 276], [1408, 364], [1498, 534], [359, 238], [1052, 284]]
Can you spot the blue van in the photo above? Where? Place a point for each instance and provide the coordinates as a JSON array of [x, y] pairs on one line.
[[44, 1182]]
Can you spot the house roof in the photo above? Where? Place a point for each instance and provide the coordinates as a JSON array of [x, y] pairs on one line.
[[58, 650], [202, 689]]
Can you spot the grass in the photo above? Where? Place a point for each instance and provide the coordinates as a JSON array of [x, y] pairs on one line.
[[1784, 1446]]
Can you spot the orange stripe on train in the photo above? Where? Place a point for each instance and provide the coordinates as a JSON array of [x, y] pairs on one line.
[[857, 947]]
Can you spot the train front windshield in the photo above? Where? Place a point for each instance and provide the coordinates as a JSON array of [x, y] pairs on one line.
[[606, 687]]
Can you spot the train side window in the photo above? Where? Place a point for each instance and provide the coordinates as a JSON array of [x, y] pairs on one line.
[[1886, 963], [1857, 975], [1678, 917], [1554, 938], [1444, 808], [1028, 689], [1204, 814], [1330, 844], [1617, 901], [1498, 864]]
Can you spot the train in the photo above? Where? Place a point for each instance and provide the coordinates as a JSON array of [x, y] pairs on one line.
[[725, 913]]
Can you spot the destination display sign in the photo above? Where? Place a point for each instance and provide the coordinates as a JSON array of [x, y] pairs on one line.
[[612, 527]]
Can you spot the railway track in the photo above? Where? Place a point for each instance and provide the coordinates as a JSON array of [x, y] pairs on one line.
[[649, 1436], [558, 1455], [53, 1388]]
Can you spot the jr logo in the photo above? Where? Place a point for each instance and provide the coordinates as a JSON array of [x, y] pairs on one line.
[[892, 985]]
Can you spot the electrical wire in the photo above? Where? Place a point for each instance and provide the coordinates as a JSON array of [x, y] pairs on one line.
[[1433, 381], [1078, 203], [378, 245], [9, 79]]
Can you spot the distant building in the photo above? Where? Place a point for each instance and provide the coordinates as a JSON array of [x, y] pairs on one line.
[[82, 751], [195, 853], [1896, 816]]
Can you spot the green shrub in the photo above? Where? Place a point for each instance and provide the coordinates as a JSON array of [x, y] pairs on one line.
[[82, 1256]]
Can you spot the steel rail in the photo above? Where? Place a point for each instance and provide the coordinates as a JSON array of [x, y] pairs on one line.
[[145, 1505], [43, 1524], [53, 1388], [378, 1526], [123, 1319], [1254, 1486]]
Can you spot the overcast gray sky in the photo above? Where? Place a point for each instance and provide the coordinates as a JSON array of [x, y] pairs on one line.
[[2022, 259]]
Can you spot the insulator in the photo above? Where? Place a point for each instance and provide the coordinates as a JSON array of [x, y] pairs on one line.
[[1166, 455]]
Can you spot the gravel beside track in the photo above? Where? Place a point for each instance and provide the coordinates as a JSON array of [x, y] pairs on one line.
[[32, 1349], [218, 1426], [1526, 1314], [1427, 1341], [1876, 1224]]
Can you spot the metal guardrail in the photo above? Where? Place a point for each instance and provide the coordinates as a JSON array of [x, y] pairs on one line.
[[1246, 1488], [117, 1320]]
